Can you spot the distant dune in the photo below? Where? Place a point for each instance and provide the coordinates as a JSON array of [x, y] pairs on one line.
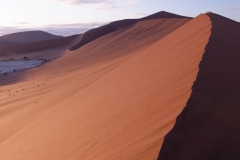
[[25, 37], [162, 87], [37, 46], [113, 26], [6, 43], [163, 14]]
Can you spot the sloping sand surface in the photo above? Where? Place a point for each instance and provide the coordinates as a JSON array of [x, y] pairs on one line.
[[114, 98], [95, 33], [92, 55], [6, 43], [208, 128]]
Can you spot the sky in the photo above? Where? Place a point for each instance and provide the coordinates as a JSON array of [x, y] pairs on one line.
[[69, 17]]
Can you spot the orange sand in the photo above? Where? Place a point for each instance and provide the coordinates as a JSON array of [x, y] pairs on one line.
[[113, 99]]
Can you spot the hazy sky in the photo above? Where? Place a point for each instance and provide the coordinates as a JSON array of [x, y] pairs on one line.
[[68, 17]]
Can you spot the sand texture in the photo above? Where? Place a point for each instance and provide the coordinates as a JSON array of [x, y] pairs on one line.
[[159, 88], [95, 33]]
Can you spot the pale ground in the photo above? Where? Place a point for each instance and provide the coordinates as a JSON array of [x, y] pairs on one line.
[[12, 66]]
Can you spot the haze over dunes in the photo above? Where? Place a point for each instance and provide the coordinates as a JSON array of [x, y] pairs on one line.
[[38, 46], [25, 37], [141, 89]]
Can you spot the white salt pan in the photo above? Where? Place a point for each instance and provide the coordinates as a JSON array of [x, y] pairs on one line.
[[10, 66]]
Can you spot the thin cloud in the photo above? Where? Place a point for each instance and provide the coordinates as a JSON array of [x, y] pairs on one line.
[[84, 2], [57, 29], [71, 29], [236, 8], [20, 23], [117, 5], [105, 5], [142, 14]]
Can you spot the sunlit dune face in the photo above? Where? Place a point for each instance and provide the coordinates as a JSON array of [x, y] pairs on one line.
[[123, 89]]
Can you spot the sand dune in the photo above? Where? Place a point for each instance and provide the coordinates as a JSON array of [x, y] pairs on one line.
[[163, 14], [114, 98], [6, 43], [38, 46], [113, 26], [25, 37], [166, 83], [208, 128]]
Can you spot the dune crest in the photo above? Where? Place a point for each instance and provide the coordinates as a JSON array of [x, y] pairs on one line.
[[95, 33], [208, 127]]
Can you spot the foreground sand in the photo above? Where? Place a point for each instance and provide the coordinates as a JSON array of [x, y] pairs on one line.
[[86, 84], [115, 98]]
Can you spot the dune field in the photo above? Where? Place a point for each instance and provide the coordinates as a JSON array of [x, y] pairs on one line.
[[160, 87]]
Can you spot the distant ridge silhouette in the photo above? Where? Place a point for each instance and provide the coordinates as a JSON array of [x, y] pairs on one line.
[[26, 37], [116, 25]]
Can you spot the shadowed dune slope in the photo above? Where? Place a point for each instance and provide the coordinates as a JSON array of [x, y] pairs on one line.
[[116, 109], [26, 37], [37, 46], [6, 43], [208, 127], [113, 26]]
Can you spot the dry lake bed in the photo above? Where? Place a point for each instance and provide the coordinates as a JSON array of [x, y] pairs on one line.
[[11, 66]]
